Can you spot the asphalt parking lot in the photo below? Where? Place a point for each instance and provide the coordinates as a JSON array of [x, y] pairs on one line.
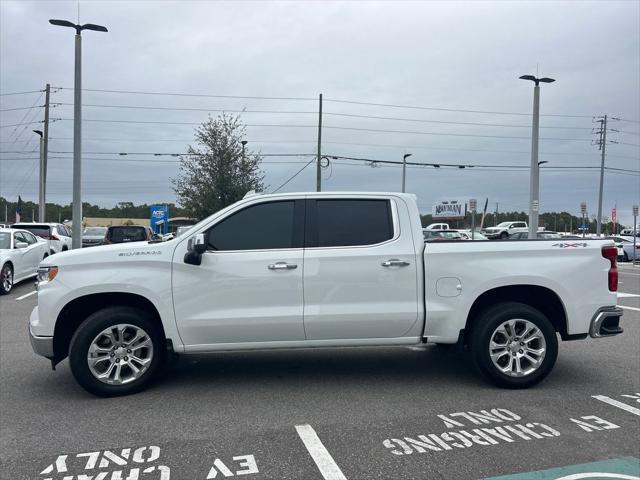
[[334, 414]]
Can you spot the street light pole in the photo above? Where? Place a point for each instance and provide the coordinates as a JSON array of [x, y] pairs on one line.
[[404, 170], [534, 182], [41, 179], [76, 216]]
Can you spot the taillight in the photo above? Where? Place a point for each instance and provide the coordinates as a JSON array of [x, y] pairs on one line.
[[611, 253], [53, 237]]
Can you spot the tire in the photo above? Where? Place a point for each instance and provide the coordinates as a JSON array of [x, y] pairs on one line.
[[542, 338], [114, 363], [45, 256], [6, 279], [504, 235]]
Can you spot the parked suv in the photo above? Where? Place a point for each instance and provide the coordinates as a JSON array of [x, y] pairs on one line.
[[127, 233], [57, 235], [505, 229]]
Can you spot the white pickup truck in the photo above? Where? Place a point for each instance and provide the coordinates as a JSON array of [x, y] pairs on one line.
[[319, 270]]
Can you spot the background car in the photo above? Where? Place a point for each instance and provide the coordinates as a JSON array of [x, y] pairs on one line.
[[93, 236], [20, 254], [127, 233], [438, 235], [543, 235], [57, 235], [626, 246], [466, 235], [438, 226]]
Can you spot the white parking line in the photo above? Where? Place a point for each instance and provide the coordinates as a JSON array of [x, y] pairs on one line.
[[627, 295], [324, 461], [616, 403], [27, 295], [635, 309]]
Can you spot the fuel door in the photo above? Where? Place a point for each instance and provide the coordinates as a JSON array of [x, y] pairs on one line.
[[448, 287]]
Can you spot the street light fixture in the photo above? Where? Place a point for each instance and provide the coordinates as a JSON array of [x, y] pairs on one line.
[[534, 183], [243, 142], [404, 170], [77, 125]]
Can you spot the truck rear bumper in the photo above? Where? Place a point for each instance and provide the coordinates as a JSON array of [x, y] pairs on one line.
[[606, 322]]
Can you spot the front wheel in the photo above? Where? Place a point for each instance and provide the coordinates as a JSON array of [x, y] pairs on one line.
[[514, 345], [116, 351], [504, 236], [6, 279]]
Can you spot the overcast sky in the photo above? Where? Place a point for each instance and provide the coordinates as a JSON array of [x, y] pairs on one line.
[[445, 56]]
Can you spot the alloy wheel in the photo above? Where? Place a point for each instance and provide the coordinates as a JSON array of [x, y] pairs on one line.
[[517, 347], [120, 354]]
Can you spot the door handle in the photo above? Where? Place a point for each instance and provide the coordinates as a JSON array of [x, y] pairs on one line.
[[394, 262], [282, 266]]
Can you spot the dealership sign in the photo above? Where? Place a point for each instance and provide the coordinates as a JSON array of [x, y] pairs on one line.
[[159, 218], [449, 209]]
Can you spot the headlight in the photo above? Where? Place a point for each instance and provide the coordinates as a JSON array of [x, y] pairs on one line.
[[46, 274]]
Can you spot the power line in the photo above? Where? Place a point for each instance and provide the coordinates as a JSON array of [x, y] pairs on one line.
[[190, 109], [449, 109], [371, 145], [372, 130], [349, 115], [20, 108], [21, 93], [200, 95], [295, 175], [18, 124]]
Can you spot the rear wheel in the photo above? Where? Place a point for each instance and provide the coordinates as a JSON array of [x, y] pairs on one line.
[[6, 278], [116, 351], [504, 235], [514, 345]]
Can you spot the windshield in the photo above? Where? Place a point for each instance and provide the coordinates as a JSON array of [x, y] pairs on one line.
[[5, 240], [504, 224], [127, 234], [94, 231]]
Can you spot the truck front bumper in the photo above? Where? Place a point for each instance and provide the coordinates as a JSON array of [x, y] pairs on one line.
[[41, 345], [606, 322]]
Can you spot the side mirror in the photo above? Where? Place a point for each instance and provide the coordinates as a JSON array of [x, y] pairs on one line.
[[195, 248], [199, 243], [21, 245]]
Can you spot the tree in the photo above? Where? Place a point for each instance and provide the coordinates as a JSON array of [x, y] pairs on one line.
[[215, 173]]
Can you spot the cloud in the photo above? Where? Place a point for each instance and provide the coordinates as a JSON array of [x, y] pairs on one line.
[[451, 55]]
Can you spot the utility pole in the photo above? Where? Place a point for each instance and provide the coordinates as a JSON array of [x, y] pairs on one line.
[[495, 218], [41, 179], [635, 232], [583, 211], [319, 160], [602, 143], [42, 214]]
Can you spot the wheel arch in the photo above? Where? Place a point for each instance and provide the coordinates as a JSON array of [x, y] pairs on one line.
[[77, 310], [541, 298]]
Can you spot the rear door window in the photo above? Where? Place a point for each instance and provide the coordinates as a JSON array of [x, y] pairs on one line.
[[349, 222], [43, 231]]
